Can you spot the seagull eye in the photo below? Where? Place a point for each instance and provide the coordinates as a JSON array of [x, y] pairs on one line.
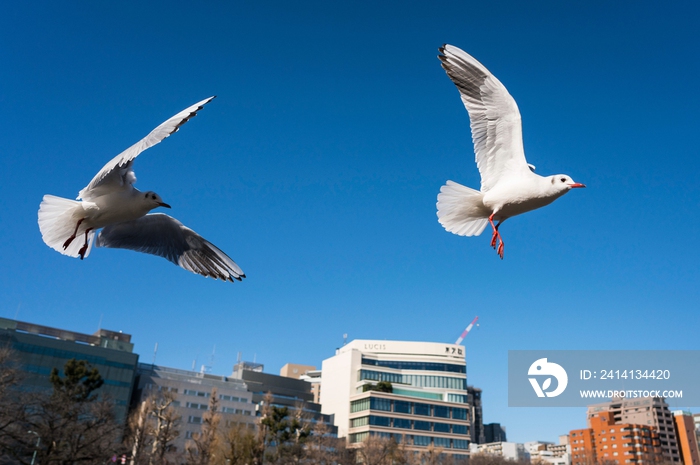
[[563, 179], [153, 197]]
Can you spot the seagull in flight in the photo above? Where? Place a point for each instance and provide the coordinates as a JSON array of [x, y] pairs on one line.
[[111, 203], [509, 185]]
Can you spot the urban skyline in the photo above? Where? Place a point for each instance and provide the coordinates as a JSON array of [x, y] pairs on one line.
[[318, 165]]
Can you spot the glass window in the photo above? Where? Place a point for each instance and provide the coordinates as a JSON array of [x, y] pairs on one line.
[[376, 403], [358, 437], [421, 440], [441, 411], [421, 409], [402, 423], [401, 406], [424, 366], [442, 442], [460, 429], [459, 413], [421, 425], [441, 427], [362, 421], [460, 444], [359, 405], [379, 421]]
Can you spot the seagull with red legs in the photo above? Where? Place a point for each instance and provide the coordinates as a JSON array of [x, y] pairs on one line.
[[509, 185], [111, 203]]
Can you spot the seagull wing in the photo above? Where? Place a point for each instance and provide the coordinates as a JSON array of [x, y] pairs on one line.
[[162, 235], [494, 116], [118, 173]]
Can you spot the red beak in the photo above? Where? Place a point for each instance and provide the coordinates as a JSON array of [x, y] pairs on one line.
[[576, 184]]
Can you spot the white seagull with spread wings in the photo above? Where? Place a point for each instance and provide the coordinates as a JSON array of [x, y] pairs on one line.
[[509, 185], [111, 202]]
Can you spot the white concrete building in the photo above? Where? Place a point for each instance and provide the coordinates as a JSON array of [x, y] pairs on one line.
[[427, 402], [509, 450]]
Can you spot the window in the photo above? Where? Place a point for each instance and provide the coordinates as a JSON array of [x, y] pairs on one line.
[[379, 421], [441, 427], [376, 403], [401, 406], [356, 422], [446, 382], [195, 420], [359, 405], [460, 429], [421, 440], [197, 406], [358, 437], [456, 398], [402, 423], [425, 366], [441, 411], [460, 444], [421, 409], [459, 413], [441, 442], [421, 425]]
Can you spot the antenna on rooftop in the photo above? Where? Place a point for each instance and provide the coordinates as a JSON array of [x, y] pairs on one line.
[[466, 331], [345, 338], [155, 352]]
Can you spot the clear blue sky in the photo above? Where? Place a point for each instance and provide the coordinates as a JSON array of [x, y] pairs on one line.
[[317, 170]]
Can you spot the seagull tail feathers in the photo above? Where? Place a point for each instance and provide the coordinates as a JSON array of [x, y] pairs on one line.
[[461, 210], [57, 220]]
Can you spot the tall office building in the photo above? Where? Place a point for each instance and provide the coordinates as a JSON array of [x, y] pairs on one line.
[[415, 392], [652, 412], [40, 349], [478, 435]]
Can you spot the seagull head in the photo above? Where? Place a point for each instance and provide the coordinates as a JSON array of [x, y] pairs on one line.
[[564, 183], [153, 200]]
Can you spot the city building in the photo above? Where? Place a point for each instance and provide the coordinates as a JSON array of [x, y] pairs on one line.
[[314, 378], [687, 438], [477, 416], [294, 394], [192, 391], [607, 440], [494, 432], [40, 349], [293, 370], [307, 373], [651, 412], [555, 454], [415, 392], [508, 450]]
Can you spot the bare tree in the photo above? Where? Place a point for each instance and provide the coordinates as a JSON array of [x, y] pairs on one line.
[[377, 450], [166, 427], [201, 449], [238, 444]]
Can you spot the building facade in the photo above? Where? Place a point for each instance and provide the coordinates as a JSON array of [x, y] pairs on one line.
[[494, 432], [477, 415], [607, 440], [509, 450], [40, 349], [650, 412], [687, 437], [415, 392], [192, 393]]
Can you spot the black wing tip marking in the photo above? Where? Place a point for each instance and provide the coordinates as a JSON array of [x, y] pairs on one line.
[[192, 114]]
